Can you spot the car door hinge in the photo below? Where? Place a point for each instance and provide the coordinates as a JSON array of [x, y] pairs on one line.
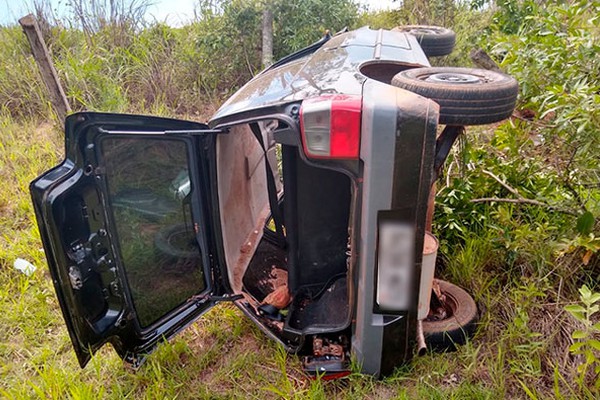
[[135, 360], [206, 298]]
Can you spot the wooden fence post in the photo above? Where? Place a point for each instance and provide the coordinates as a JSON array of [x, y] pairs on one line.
[[44, 62]]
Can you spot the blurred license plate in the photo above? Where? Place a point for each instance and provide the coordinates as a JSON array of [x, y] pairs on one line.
[[395, 265]]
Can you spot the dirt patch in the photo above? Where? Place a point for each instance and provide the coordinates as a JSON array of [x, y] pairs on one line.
[[266, 271]]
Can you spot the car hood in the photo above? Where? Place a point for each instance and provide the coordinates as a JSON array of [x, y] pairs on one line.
[[332, 68]]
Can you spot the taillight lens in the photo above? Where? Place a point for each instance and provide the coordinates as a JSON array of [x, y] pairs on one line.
[[330, 126]]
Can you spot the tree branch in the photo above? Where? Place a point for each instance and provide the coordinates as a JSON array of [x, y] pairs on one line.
[[534, 122], [524, 201], [504, 184], [520, 199]]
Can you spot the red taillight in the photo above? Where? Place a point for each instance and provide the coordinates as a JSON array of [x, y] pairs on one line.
[[330, 126]]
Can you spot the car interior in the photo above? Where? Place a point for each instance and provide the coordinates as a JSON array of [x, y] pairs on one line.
[[315, 262]]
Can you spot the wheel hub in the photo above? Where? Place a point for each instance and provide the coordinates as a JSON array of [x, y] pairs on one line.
[[454, 78], [442, 307]]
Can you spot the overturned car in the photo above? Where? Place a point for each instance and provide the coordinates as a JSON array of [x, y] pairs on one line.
[[306, 201]]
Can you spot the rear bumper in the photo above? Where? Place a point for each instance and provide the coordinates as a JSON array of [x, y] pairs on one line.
[[397, 147]]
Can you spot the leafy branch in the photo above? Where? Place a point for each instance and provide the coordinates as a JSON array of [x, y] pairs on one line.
[[520, 199]]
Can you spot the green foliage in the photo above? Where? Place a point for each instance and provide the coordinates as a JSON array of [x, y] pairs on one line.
[[527, 344], [385, 19], [470, 175], [434, 12], [535, 253], [590, 243], [554, 57], [224, 50], [92, 79], [585, 223], [512, 14], [470, 25], [587, 343], [299, 23], [230, 30]]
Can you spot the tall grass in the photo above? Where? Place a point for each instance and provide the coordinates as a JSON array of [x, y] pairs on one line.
[[160, 67], [21, 90]]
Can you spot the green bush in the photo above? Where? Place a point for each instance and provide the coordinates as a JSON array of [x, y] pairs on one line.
[[554, 56], [299, 23]]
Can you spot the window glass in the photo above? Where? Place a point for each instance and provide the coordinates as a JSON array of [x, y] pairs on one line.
[[149, 193]]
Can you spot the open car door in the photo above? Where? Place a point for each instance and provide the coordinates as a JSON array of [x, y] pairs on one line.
[[126, 226]]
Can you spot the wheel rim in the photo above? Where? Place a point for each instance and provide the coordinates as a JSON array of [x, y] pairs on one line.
[[450, 306], [453, 78], [182, 242], [423, 31]]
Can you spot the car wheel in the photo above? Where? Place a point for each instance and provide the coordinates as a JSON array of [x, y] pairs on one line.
[[434, 40], [467, 96], [177, 243], [457, 326]]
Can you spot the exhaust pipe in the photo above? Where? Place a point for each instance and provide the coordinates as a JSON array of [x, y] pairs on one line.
[[421, 346]]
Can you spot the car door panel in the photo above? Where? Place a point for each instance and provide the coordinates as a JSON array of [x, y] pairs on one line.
[[123, 223]]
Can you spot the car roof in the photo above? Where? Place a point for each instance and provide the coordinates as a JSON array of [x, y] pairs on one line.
[[330, 66]]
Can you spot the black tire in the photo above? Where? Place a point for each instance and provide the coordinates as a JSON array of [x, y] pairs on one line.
[[467, 96], [435, 41], [455, 330], [174, 243]]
